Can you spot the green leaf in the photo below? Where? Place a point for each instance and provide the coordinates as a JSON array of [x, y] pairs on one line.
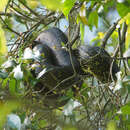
[[82, 14], [82, 32], [22, 116], [127, 42], [3, 48], [32, 3], [43, 123], [16, 87], [125, 19], [4, 83], [8, 21], [67, 6], [126, 109], [59, 5], [123, 8], [93, 19], [3, 4], [108, 5], [111, 125], [53, 4], [12, 86]]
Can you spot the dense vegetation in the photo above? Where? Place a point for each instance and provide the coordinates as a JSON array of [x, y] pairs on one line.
[[92, 105]]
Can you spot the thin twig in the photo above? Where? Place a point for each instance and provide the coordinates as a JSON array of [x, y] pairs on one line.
[[123, 34], [76, 36], [27, 17], [33, 12], [7, 5], [121, 58], [6, 14], [121, 45], [7, 27], [108, 33]]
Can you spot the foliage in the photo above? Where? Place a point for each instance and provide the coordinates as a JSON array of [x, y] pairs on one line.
[[93, 106], [3, 48]]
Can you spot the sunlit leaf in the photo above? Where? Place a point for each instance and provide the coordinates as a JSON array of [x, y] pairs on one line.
[[126, 109], [100, 35], [82, 14], [3, 48], [82, 32], [114, 35], [123, 8], [53, 4], [125, 19], [32, 3], [3, 4], [12, 86], [111, 125], [127, 42], [42, 123], [4, 83], [67, 6], [93, 18], [62, 5]]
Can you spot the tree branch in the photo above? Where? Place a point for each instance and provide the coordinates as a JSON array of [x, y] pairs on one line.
[[108, 33], [7, 27], [33, 12], [123, 34], [5, 14]]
